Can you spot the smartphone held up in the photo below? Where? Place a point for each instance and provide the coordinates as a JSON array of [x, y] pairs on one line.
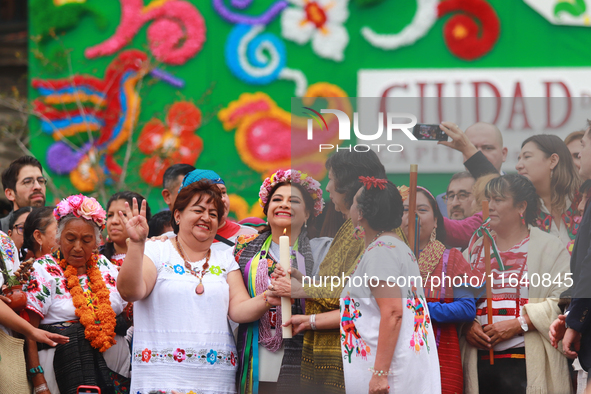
[[429, 132]]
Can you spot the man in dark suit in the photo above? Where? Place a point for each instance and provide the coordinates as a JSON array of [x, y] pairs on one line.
[[574, 327]]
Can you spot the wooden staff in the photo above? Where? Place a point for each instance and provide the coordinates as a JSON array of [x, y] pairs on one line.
[[412, 206], [486, 246]]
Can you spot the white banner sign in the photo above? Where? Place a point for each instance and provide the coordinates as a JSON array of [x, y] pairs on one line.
[[521, 102], [563, 12]]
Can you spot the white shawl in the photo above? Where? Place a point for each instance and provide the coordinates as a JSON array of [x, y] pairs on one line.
[[546, 367]]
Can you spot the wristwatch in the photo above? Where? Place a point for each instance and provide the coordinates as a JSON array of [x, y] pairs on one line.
[[523, 323]]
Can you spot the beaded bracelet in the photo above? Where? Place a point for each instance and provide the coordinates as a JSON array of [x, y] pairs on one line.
[[380, 373]]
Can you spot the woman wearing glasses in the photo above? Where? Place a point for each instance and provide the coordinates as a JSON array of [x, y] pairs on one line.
[[16, 226]]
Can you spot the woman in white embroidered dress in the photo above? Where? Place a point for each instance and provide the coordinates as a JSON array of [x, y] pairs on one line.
[[386, 332], [59, 293], [183, 297]]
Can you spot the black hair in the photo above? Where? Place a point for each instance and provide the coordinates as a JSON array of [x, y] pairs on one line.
[[158, 222], [382, 209], [206, 190], [17, 214], [308, 202], [518, 187], [347, 167], [129, 196], [585, 186], [108, 249], [38, 219], [460, 175], [10, 175], [440, 233], [173, 172], [564, 179]]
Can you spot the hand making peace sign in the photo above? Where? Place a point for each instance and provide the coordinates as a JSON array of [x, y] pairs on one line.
[[135, 222]]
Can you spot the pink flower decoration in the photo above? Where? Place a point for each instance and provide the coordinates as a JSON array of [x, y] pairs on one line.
[[177, 32], [179, 355], [76, 201], [81, 206], [293, 176]]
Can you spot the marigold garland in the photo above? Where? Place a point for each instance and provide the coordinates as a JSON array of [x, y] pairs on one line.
[[99, 325]]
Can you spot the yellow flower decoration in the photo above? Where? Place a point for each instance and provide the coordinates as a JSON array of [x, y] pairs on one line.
[[404, 191]]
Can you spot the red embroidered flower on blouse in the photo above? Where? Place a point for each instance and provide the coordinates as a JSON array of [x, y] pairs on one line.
[[179, 355], [110, 280], [146, 355], [54, 271], [33, 286]]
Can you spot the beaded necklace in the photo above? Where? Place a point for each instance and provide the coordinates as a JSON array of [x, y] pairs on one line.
[[200, 289]]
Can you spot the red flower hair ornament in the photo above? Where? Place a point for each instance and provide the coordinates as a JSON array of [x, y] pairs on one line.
[[370, 181]]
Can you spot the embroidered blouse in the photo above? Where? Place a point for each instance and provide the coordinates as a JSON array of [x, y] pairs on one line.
[[49, 297]]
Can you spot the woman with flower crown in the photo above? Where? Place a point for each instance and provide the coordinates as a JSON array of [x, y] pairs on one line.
[[73, 292], [291, 200]]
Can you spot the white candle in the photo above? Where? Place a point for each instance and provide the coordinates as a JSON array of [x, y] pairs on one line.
[[285, 261]]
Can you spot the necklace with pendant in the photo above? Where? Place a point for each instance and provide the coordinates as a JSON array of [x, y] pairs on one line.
[[200, 289]]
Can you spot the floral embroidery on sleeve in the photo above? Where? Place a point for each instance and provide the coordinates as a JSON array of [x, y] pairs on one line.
[[241, 243], [350, 337], [422, 321], [8, 251]]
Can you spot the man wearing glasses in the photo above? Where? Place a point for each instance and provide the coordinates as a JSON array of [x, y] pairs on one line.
[[459, 196], [24, 185]]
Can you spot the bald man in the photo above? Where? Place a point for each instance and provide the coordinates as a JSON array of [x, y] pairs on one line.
[[487, 138], [481, 145]]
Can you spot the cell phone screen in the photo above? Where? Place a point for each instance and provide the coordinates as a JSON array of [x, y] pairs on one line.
[[429, 132], [89, 390]]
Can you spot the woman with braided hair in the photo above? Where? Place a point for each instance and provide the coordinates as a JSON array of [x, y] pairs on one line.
[[387, 337]]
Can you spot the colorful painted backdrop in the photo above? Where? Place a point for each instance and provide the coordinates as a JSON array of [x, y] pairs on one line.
[[123, 88]]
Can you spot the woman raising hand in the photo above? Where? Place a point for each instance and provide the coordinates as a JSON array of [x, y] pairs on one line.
[[183, 298]]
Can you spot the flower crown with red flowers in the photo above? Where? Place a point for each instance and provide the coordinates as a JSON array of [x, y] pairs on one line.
[[82, 207], [293, 176], [370, 181]]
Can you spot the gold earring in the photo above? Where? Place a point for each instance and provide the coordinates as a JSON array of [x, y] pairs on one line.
[[433, 235]]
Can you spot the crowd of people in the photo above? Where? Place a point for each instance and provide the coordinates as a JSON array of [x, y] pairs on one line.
[[189, 301]]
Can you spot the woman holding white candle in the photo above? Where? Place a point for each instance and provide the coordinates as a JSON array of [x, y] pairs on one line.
[[290, 200]]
